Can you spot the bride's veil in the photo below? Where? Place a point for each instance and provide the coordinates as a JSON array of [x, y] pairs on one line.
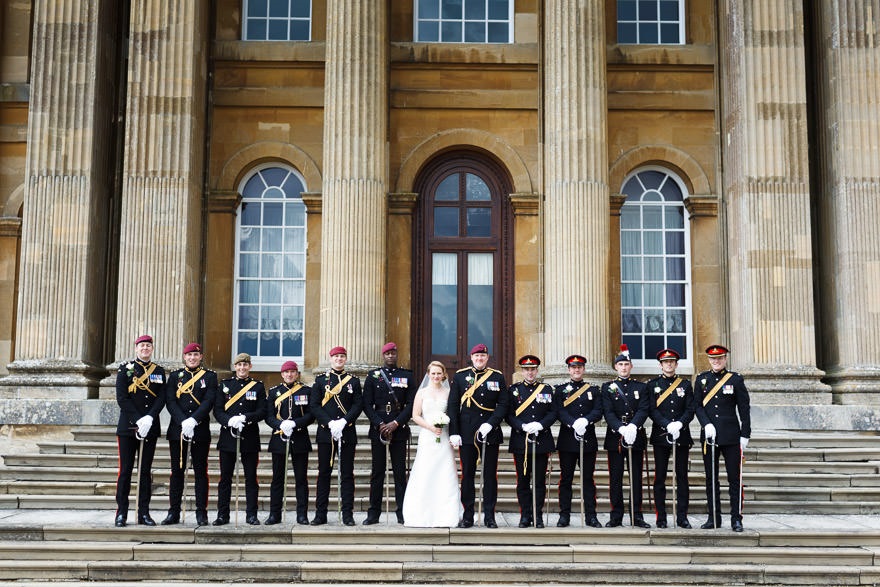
[[426, 381]]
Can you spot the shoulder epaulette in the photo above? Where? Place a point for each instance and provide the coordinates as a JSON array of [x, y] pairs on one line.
[[463, 369]]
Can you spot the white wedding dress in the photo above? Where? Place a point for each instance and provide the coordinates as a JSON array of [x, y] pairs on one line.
[[432, 498]]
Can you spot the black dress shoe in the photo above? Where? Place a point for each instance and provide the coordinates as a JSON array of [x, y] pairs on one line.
[[525, 522], [221, 521], [661, 523], [318, 521], [465, 524], [640, 522], [613, 523], [370, 521], [171, 518], [272, 520], [302, 519], [684, 523], [400, 517], [539, 523], [348, 520], [201, 519], [593, 521], [121, 521], [490, 523], [736, 526], [708, 525], [562, 522], [145, 520], [252, 520]]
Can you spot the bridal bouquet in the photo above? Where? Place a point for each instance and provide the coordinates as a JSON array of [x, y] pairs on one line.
[[439, 421]]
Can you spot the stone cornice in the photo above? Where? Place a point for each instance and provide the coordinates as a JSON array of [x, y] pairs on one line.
[[402, 203], [616, 202], [702, 205], [312, 200], [223, 201], [10, 226], [525, 204]]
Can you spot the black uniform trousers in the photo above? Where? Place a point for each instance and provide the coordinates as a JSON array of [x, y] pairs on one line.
[[224, 487], [616, 460], [662, 454], [523, 464], [200, 449], [568, 461], [345, 462], [468, 455], [377, 475], [732, 464], [300, 462], [128, 449]]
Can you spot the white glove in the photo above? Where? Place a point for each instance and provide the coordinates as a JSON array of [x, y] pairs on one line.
[[336, 427], [188, 427], [529, 428], [287, 427], [709, 429], [455, 440], [629, 433], [580, 426], [743, 442], [144, 424], [674, 429], [484, 430], [237, 422]]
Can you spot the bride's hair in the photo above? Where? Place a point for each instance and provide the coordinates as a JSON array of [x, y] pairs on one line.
[[437, 364]]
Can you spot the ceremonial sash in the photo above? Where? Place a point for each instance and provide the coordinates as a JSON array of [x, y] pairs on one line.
[[530, 399], [668, 391], [335, 391], [138, 382], [238, 395], [469, 394], [575, 395], [187, 387], [287, 394], [715, 389]]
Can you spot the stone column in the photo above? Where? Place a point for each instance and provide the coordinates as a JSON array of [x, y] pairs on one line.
[[353, 217], [576, 207], [161, 212], [848, 129], [767, 193], [60, 315]]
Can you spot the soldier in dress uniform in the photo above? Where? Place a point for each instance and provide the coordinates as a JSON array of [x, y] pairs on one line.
[[139, 392], [240, 406], [530, 414], [288, 415], [719, 396], [672, 409], [477, 406], [626, 406], [189, 396], [389, 393], [578, 407], [336, 401]]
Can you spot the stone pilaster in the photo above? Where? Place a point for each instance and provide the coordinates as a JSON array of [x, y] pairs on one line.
[[848, 129], [576, 207], [353, 217], [767, 192], [161, 212], [60, 314]]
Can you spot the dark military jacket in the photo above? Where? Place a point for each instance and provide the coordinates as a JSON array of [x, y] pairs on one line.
[[289, 403], [625, 401], [722, 409], [139, 395], [191, 400], [231, 402], [347, 403], [389, 395], [488, 403], [677, 406], [540, 409], [586, 404]]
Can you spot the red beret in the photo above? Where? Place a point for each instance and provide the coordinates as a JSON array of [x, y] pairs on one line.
[[529, 361], [338, 350], [716, 350], [668, 354], [192, 347], [480, 348], [289, 366], [143, 338], [389, 346], [576, 360]]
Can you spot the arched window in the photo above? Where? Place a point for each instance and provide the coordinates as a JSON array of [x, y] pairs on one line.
[[270, 254], [655, 268], [650, 22]]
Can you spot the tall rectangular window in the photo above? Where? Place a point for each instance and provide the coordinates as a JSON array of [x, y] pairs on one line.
[[277, 20], [463, 21], [650, 22]]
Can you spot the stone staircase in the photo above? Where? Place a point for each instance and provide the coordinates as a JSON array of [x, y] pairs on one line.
[[58, 506]]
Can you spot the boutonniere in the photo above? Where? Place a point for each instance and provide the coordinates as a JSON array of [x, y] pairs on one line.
[[469, 379], [656, 390], [703, 381], [568, 387], [377, 374], [515, 393], [129, 369], [225, 389], [613, 388], [277, 393]]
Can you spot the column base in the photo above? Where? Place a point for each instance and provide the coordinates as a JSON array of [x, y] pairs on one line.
[[787, 385], [47, 379], [855, 385]]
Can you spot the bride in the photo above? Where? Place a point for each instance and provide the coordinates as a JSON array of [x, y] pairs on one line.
[[432, 498]]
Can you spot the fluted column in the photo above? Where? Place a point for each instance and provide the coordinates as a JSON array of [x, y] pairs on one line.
[[161, 212], [353, 218], [576, 206], [60, 317], [848, 55], [767, 192]]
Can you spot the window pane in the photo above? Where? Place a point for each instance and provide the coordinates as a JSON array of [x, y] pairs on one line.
[[445, 221], [652, 196], [450, 32], [257, 7], [669, 33], [249, 239], [271, 292], [476, 189], [448, 189], [652, 217], [675, 269], [647, 9], [654, 321], [475, 10], [272, 239], [631, 320], [272, 213], [270, 344], [671, 191], [294, 214], [248, 265], [499, 32], [675, 243], [444, 303], [632, 189], [247, 317], [480, 301], [270, 317], [429, 32], [675, 295], [292, 318], [294, 265], [654, 269], [653, 242], [629, 217], [653, 294], [669, 9], [294, 293], [499, 9], [250, 214], [652, 179], [451, 9], [429, 8], [474, 32], [479, 222], [630, 243], [675, 321], [674, 216], [678, 343], [249, 292], [300, 8], [256, 30], [653, 345], [636, 350], [247, 343], [278, 8], [626, 10], [300, 30], [631, 294], [292, 344], [295, 239], [627, 33], [631, 268], [648, 33]]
